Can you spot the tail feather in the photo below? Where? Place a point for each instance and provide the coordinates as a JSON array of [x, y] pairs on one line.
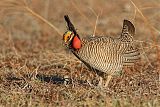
[[128, 31], [130, 54], [130, 57]]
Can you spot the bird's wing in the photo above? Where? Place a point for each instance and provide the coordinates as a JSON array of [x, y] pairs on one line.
[[100, 53]]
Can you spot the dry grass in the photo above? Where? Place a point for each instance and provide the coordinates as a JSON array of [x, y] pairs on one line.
[[34, 64]]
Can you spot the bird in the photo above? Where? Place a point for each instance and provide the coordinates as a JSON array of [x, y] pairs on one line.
[[104, 54]]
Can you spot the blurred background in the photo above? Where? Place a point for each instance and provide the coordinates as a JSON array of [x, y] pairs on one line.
[[31, 34], [26, 28]]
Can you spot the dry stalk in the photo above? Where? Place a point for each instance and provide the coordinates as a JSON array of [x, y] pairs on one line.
[[86, 18], [148, 24], [81, 13], [95, 27], [43, 19], [144, 53], [22, 5], [97, 17], [13, 44], [46, 10], [144, 18]]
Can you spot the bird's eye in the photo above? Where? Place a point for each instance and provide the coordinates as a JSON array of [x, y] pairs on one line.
[[67, 36]]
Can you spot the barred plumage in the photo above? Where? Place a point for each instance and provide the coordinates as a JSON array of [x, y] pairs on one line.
[[101, 53], [105, 54]]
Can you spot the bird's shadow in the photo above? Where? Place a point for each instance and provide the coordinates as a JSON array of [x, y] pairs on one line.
[[55, 79]]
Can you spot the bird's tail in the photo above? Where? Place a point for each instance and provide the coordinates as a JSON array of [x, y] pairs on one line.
[[131, 56], [128, 31]]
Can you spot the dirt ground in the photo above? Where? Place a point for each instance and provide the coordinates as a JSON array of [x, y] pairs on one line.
[[37, 70]]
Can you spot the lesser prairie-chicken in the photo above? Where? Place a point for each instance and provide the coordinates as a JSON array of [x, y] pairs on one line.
[[106, 55]]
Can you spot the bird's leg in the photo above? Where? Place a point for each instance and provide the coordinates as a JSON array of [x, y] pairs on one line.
[[108, 80], [100, 84]]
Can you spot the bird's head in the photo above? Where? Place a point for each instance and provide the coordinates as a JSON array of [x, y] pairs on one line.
[[71, 40]]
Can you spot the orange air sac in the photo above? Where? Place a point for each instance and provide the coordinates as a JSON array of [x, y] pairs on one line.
[[76, 44]]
